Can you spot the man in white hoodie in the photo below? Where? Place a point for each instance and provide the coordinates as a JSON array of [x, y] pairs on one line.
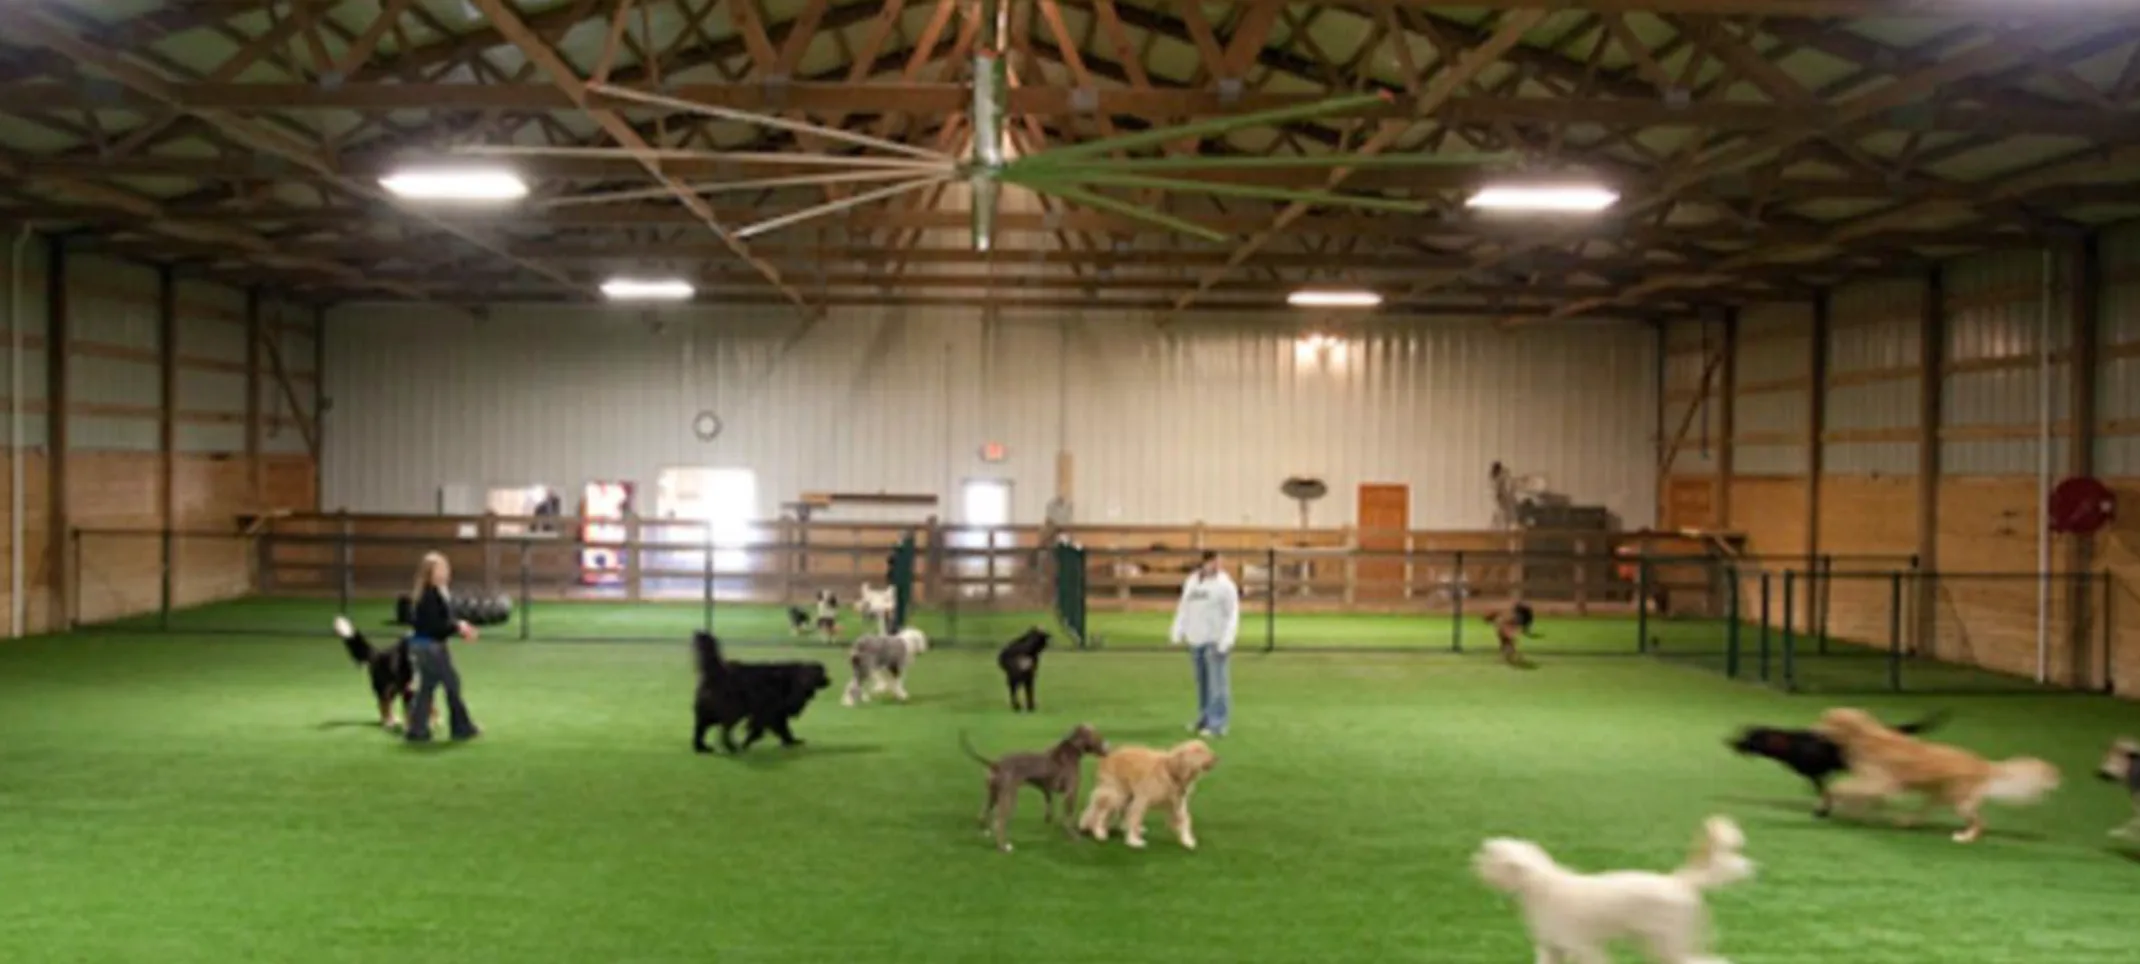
[[1207, 620]]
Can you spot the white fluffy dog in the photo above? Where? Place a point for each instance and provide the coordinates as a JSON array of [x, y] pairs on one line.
[[1573, 916], [878, 605], [875, 659]]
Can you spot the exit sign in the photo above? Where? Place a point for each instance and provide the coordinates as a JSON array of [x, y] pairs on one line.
[[992, 452]]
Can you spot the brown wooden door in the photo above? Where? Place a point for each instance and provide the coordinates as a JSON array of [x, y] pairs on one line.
[[1385, 516]]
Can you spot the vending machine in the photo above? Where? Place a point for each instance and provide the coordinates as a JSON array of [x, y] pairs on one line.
[[603, 508]]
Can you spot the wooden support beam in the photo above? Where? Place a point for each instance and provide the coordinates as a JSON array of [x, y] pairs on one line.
[[1816, 420], [273, 345], [58, 324], [254, 470], [167, 395], [1931, 396], [2084, 279], [1727, 418]]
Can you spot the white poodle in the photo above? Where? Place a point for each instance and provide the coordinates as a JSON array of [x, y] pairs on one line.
[[1573, 916], [878, 605]]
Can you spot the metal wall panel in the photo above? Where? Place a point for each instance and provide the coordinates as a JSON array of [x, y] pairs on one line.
[[1199, 424], [1873, 348], [288, 326], [2118, 377], [1768, 460], [112, 306], [31, 323], [1995, 314], [1689, 343]]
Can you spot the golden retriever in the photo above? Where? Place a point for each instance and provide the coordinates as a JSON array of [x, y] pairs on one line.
[[1133, 779], [1885, 763]]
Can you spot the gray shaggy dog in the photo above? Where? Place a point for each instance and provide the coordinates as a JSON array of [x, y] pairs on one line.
[[878, 658]]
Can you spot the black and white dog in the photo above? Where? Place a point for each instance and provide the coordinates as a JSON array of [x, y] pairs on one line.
[[826, 619], [393, 673], [1020, 661]]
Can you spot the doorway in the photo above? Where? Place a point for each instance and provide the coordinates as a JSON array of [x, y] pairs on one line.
[[982, 543], [1384, 522]]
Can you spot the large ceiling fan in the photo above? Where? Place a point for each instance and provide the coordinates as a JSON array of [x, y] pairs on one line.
[[1069, 172]]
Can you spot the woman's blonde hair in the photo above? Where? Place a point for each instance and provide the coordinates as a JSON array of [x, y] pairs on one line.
[[426, 573]]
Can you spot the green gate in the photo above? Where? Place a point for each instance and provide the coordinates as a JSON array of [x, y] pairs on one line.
[[1070, 588], [899, 571]]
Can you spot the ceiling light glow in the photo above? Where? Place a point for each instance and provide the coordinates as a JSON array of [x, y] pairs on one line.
[[456, 184], [1580, 198], [644, 289], [1333, 298]]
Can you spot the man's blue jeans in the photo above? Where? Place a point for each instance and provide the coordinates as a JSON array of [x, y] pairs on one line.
[[1214, 687]]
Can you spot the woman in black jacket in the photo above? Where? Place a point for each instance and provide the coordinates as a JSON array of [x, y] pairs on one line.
[[432, 624]]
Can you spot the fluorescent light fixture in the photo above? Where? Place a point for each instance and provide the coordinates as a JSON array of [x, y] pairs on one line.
[[646, 289], [456, 184], [1544, 197], [1329, 298]]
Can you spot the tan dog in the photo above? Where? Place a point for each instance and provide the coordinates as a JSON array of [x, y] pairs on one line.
[[2122, 766], [1885, 763], [1133, 779]]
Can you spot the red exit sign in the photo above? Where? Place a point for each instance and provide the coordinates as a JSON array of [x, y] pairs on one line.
[[992, 452]]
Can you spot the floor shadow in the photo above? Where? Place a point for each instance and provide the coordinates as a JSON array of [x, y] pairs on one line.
[[775, 755], [1799, 806], [349, 725]]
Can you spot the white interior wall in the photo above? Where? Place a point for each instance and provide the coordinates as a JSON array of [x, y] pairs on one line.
[[1199, 424]]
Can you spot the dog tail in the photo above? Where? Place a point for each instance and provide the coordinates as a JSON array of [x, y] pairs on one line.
[[360, 649], [1931, 721], [2021, 780], [1716, 860], [967, 745], [708, 649]]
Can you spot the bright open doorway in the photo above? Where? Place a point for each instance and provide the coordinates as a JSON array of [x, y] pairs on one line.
[[983, 567], [722, 501]]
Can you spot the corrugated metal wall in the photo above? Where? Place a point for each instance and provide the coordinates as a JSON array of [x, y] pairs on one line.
[[114, 371], [1773, 364], [211, 334], [1201, 424], [1687, 349], [2118, 387], [1995, 327], [1873, 388], [31, 323]]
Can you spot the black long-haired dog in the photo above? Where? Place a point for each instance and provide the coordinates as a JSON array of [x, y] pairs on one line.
[[1810, 754], [1020, 661], [766, 695], [393, 673]]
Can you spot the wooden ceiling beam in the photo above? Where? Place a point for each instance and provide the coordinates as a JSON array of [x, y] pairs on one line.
[[929, 99]]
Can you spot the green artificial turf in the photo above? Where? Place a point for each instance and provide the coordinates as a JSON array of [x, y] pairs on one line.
[[174, 799]]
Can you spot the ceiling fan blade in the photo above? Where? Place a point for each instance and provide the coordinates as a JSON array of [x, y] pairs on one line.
[[1093, 199], [1203, 128], [1088, 175]]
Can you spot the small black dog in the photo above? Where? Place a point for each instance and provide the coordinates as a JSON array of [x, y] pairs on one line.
[[393, 673], [1020, 660], [1810, 754], [767, 695]]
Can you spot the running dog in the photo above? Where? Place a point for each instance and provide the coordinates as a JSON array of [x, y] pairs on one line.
[[875, 659], [1572, 916], [766, 695], [393, 673], [1020, 661], [1885, 763], [2122, 765], [1810, 754], [1508, 624]]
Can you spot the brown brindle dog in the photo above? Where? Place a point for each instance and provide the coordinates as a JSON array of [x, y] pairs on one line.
[[1055, 772]]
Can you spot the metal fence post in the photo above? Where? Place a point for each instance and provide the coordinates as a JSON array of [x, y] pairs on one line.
[[2102, 619], [1270, 599], [1731, 626], [346, 554], [1817, 598], [1894, 631], [1790, 638], [164, 590], [73, 597], [706, 580], [1642, 605], [1764, 624], [527, 598], [1458, 592]]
